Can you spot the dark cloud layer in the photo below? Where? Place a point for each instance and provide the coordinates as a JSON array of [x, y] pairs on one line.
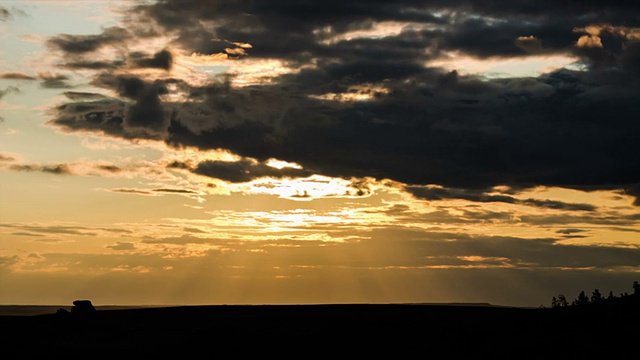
[[435, 193], [80, 44], [567, 128], [160, 60], [244, 170], [289, 29]]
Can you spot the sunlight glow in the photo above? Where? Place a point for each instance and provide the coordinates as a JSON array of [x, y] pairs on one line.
[[306, 189], [328, 36], [364, 92], [281, 164], [533, 65]]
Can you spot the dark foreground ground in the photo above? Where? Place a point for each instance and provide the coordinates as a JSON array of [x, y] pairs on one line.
[[328, 332]]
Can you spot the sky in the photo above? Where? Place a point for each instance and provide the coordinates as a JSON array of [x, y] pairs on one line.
[[189, 152]]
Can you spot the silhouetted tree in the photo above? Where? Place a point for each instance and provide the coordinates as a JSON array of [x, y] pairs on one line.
[[596, 296], [560, 301], [582, 299]]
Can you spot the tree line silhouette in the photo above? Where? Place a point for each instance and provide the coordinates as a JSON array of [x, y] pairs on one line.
[[596, 298]]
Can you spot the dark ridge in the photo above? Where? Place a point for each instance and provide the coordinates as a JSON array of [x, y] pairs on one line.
[[400, 331]]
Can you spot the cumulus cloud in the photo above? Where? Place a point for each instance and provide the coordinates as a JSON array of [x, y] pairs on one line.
[[417, 124]]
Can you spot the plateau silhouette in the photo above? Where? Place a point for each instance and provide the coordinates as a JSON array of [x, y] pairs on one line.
[[600, 329]]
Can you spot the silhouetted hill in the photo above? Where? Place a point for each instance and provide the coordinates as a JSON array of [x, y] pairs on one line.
[[398, 331], [30, 310]]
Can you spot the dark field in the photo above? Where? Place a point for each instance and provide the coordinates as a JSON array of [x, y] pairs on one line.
[[29, 310], [395, 331]]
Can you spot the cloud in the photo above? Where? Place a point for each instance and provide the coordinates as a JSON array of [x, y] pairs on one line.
[[569, 233], [16, 76], [145, 114], [140, 114], [559, 205], [160, 60], [182, 240], [52, 229], [7, 261], [9, 90], [244, 170], [7, 158], [390, 247], [155, 192], [412, 122], [109, 168], [122, 246], [633, 190], [54, 81], [57, 169], [589, 41], [284, 29], [22, 233], [91, 65], [4, 13], [132, 191], [75, 95], [484, 196], [174, 191], [81, 44], [430, 248], [530, 44]]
